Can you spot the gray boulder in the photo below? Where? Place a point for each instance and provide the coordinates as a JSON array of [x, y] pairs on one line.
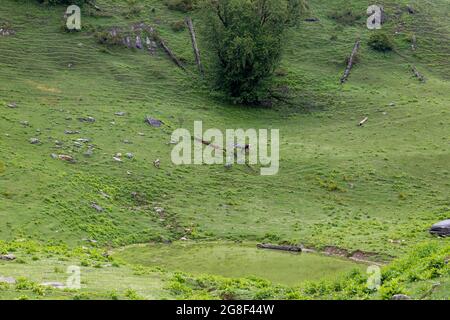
[[34, 141], [8, 257], [441, 229]]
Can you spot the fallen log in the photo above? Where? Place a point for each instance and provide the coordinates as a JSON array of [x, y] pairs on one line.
[[279, 247], [363, 121], [351, 61], [170, 53], [418, 74], [194, 44]]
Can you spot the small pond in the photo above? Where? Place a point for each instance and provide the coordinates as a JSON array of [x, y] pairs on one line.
[[238, 260]]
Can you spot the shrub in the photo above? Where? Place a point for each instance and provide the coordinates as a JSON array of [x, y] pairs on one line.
[[380, 41]]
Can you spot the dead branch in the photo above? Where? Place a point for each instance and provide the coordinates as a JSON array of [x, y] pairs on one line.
[[194, 44], [417, 74], [351, 61]]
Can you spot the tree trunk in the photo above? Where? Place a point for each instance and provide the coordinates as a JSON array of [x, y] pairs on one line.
[[194, 44], [277, 247], [170, 53], [351, 61]]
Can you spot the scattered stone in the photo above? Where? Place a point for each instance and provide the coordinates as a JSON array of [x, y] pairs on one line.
[[83, 140], [12, 105], [54, 156], [117, 159], [127, 141], [120, 113], [104, 195], [154, 122], [151, 46], [129, 155], [25, 123], [157, 163], [87, 119], [8, 280], [56, 285], [184, 239], [65, 157], [396, 241], [90, 240], [392, 104], [71, 131], [159, 210], [4, 32], [34, 141], [400, 297], [127, 42], [441, 229], [8, 257], [97, 207], [89, 152], [312, 19], [141, 134], [410, 9], [138, 42]]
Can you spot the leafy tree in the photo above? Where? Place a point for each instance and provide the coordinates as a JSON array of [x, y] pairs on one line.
[[246, 37]]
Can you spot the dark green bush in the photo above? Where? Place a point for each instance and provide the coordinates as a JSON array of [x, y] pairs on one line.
[[380, 41]]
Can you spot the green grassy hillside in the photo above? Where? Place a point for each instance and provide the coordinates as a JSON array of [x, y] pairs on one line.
[[375, 188]]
